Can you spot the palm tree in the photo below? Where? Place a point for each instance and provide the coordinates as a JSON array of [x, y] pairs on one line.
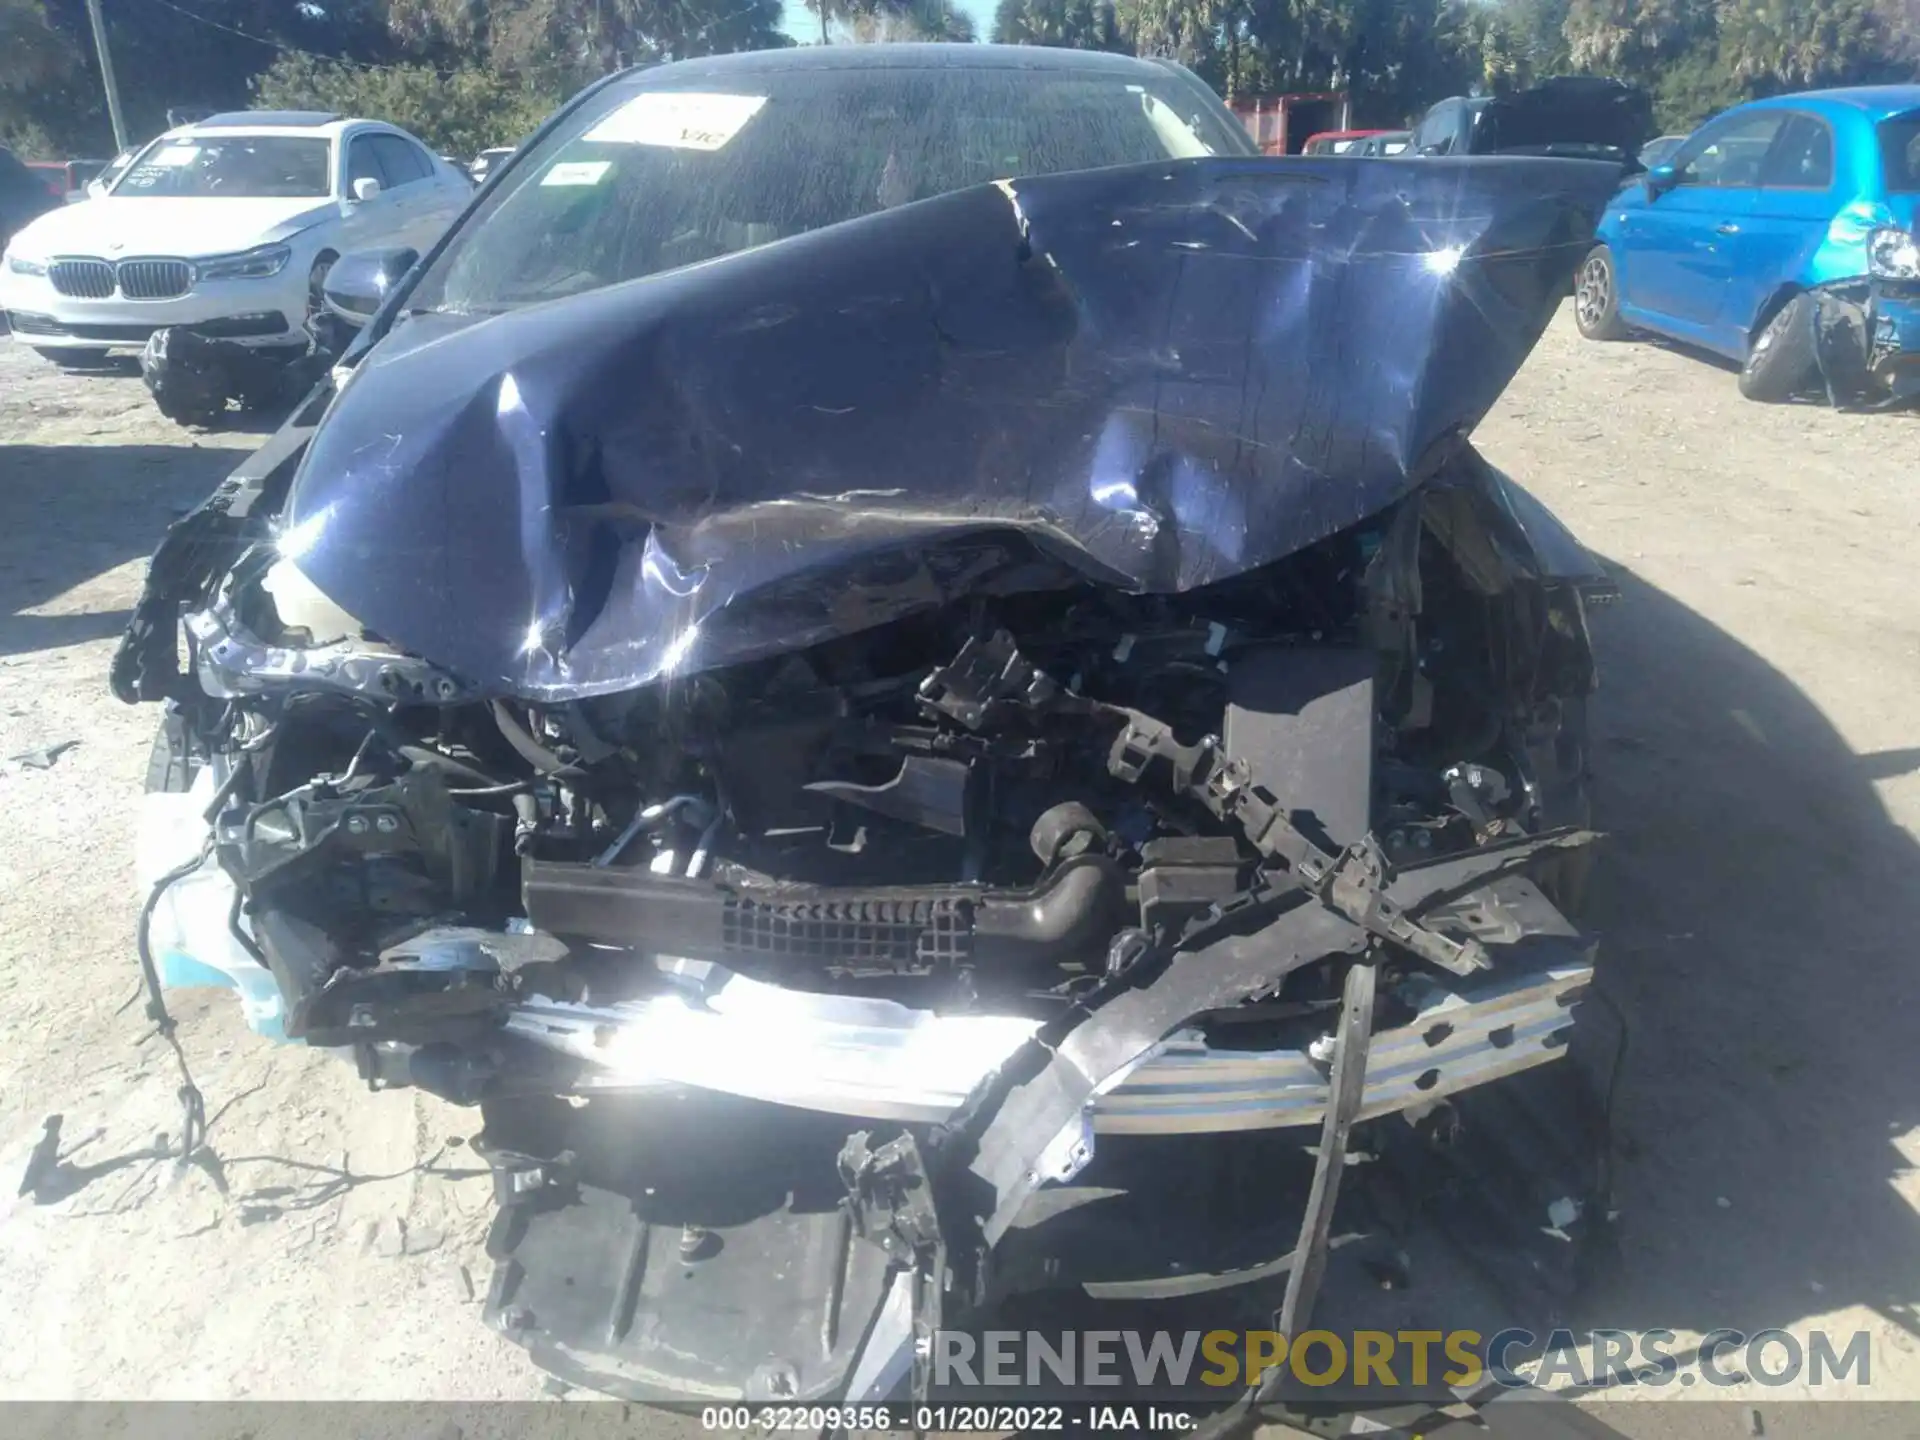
[[1070, 24], [869, 22], [825, 9]]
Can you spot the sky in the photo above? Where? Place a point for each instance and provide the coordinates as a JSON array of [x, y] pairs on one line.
[[799, 22]]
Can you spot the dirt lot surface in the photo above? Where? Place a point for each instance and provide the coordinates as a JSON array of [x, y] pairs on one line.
[[1760, 775]]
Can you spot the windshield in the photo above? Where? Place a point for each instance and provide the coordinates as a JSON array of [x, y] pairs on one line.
[[1900, 153], [231, 167], [644, 179]]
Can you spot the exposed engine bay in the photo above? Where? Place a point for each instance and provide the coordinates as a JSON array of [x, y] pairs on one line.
[[1087, 778], [956, 859], [947, 898]]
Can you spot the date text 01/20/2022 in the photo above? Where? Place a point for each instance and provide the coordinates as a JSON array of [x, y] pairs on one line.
[[944, 1419]]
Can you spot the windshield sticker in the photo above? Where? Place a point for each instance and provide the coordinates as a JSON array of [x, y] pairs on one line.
[[577, 172], [679, 119], [173, 156]]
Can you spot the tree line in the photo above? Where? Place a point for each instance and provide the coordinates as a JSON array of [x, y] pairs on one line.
[[466, 74], [1695, 57]]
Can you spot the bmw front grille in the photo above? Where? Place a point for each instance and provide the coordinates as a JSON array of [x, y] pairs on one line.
[[89, 279], [154, 279], [82, 279]]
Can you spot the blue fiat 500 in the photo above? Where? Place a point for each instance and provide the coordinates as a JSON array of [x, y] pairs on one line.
[[1732, 244]]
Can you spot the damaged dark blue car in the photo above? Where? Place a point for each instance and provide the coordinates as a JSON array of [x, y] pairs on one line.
[[898, 661]]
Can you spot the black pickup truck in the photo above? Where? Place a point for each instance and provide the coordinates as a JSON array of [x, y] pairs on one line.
[[1575, 116]]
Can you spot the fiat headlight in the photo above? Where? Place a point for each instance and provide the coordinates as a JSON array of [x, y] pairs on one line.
[[1893, 255]]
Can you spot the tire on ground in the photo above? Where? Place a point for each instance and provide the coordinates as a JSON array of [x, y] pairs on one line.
[[1783, 357], [1596, 297]]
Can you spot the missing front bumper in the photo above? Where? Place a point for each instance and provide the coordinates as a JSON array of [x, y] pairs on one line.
[[682, 1252], [707, 1250], [688, 1232], [1868, 343], [876, 1060]]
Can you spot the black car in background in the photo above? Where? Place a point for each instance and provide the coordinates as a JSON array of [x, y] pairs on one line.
[[487, 161], [23, 196], [67, 179], [1572, 116], [1386, 145], [1659, 150]]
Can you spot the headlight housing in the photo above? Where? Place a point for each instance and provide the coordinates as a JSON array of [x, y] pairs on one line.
[[255, 264], [20, 265], [1893, 255]]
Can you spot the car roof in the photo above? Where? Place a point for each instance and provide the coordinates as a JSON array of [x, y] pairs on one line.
[[920, 56], [270, 119], [1876, 102], [311, 124]]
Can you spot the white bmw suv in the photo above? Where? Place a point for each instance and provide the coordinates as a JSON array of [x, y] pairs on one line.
[[226, 226]]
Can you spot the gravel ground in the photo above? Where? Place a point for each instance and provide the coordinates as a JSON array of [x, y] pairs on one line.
[[1760, 776]]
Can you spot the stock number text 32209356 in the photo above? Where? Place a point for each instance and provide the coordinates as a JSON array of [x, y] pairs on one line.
[[936, 1419]]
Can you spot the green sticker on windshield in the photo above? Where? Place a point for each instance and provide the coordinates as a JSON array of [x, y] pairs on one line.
[[577, 172]]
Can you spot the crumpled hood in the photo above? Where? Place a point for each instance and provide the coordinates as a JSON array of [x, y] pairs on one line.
[[164, 225], [1157, 376]]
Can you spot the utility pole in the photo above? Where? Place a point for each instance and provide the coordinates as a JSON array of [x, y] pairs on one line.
[[106, 76]]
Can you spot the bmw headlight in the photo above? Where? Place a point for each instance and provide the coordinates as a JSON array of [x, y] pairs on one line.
[[1893, 255], [255, 264], [20, 265]]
